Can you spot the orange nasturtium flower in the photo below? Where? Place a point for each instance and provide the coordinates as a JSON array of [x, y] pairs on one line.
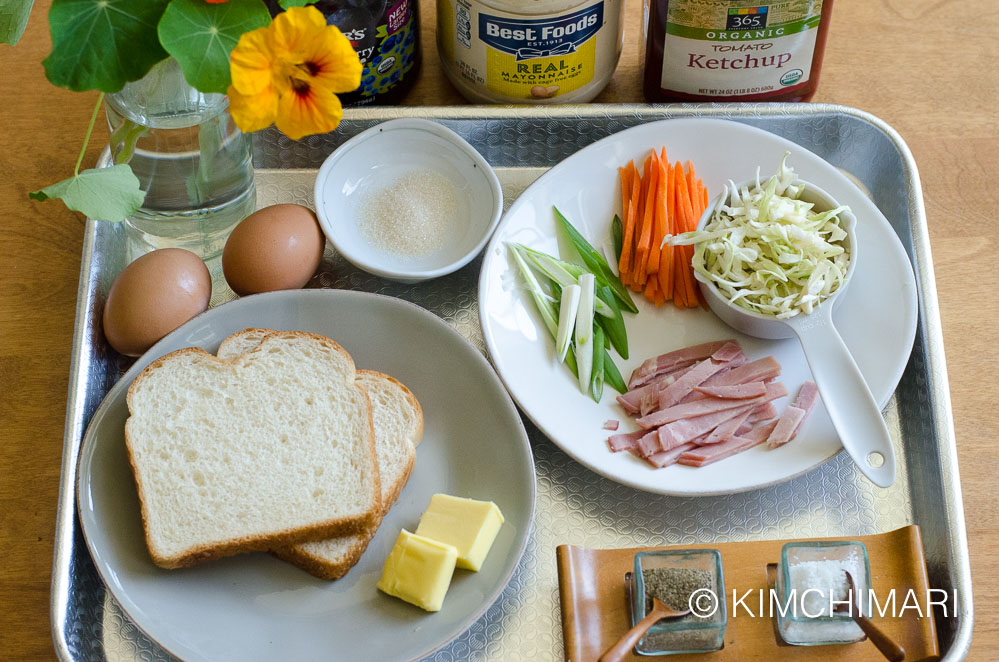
[[289, 74]]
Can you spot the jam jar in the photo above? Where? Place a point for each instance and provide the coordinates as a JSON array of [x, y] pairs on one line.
[[386, 36]]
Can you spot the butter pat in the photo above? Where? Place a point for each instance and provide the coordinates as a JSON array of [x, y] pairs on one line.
[[470, 526], [418, 570]]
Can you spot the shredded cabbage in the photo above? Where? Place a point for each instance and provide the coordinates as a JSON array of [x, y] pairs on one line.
[[767, 251]]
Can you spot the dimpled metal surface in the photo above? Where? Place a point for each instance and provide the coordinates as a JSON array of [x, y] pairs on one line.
[[575, 505]]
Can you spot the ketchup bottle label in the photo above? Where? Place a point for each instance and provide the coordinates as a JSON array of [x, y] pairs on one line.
[[733, 48]]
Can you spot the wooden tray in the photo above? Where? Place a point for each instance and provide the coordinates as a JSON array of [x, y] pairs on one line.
[[595, 610]]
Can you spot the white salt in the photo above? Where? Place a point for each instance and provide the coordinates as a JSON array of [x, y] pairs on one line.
[[413, 216], [828, 581]]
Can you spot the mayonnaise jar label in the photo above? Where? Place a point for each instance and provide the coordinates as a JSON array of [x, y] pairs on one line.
[[518, 58]]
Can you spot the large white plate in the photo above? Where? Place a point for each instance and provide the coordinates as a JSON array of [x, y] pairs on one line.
[[255, 607], [877, 315]]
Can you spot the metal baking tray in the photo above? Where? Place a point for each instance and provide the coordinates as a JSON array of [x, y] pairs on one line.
[[575, 505]]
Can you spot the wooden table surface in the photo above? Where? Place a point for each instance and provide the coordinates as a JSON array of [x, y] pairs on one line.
[[930, 68]]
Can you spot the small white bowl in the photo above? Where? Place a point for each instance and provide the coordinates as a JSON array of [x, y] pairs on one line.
[[370, 161]]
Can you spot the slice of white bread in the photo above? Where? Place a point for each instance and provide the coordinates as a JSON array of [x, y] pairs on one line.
[[272, 448], [398, 425]]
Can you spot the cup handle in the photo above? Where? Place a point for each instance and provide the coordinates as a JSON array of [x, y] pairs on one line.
[[851, 406]]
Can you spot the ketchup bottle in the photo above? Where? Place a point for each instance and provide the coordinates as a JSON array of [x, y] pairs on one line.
[[734, 50]]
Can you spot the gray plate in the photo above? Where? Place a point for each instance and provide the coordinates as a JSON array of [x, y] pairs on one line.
[[575, 505], [256, 607]]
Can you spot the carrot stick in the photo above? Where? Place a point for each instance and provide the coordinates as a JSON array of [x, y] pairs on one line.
[[645, 239], [666, 263], [691, 178], [662, 199], [683, 199], [658, 219], [650, 289], [692, 297], [672, 221], [624, 263], [679, 289], [695, 201], [657, 294], [684, 213], [643, 194], [683, 193], [665, 273], [636, 205]]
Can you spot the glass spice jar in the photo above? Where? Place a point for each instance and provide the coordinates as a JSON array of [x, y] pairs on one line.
[[681, 579], [811, 582], [734, 50]]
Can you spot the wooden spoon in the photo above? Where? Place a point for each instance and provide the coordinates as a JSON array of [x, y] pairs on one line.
[[659, 611], [888, 648]]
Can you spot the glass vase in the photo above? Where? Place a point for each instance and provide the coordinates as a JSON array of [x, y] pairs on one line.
[[193, 162]]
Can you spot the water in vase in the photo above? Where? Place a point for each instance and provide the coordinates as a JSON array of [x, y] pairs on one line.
[[192, 161]]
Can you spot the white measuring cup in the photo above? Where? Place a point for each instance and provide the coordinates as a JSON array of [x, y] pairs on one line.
[[851, 406]]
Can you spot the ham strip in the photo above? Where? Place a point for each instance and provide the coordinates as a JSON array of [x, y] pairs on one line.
[[727, 352], [763, 413], [684, 385], [680, 432], [632, 400], [734, 391], [807, 395], [648, 444], [786, 425], [709, 454], [765, 370], [754, 371], [792, 418], [666, 458], [698, 408], [727, 430], [705, 403], [625, 440], [672, 360], [649, 403]]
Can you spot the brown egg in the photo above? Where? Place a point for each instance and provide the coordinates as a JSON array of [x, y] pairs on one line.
[[153, 296], [274, 248]]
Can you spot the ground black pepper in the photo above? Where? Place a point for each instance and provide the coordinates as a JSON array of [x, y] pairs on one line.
[[674, 586]]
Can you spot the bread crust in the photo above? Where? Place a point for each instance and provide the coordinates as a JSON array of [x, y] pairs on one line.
[[339, 526], [321, 567]]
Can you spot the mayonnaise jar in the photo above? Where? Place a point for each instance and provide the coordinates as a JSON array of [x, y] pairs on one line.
[[529, 51]]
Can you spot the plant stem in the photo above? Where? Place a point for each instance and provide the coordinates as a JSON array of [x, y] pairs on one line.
[[90, 130]]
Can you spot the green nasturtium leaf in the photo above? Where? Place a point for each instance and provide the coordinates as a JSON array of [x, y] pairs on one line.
[[13, 18], [107, 194], [201, 36], [103, 44], [286, 4]]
